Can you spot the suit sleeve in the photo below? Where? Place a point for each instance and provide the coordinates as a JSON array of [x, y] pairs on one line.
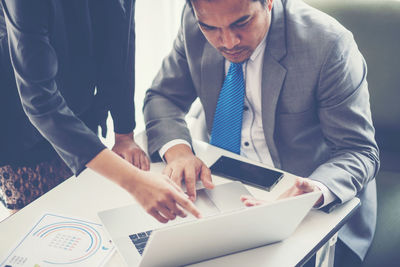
[[35, 65], [114, 35], [169, 98], [345, 117]]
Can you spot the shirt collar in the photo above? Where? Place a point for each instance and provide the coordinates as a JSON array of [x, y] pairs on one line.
[[259, 48]]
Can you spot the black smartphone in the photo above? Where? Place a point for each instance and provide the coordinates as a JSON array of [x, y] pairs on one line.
[[246, 172]]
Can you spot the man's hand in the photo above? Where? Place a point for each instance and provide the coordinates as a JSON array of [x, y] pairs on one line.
[[182, 164], [162, 198], [250, 201], [126, 148], [301, 186]]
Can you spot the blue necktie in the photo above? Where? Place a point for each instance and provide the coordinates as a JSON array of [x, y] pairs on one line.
[[227, 125]]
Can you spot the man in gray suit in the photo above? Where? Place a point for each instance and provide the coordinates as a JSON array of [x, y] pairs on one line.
[[305, 108]]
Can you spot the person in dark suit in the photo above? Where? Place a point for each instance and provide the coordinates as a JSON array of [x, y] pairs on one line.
[[280, 83], [64, 65]]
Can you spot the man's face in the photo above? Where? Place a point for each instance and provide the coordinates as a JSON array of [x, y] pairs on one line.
[[234, 27]]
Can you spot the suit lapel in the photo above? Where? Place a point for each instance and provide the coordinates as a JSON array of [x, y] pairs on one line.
[[273, 76], [212, 76], [272, 81]]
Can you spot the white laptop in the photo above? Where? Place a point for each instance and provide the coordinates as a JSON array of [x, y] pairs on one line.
[[227, 226]]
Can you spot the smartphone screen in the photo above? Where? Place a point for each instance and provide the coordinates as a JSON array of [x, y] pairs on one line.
[[246, 172]]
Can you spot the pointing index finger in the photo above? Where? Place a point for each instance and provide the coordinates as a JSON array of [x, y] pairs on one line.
[[187, 205]]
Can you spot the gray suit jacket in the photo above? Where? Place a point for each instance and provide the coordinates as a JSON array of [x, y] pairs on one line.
[[315, 104]]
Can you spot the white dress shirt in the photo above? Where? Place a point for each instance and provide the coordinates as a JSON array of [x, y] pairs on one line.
[[253, 144]]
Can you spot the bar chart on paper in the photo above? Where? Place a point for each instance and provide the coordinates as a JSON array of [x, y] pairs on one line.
[[58, 240]]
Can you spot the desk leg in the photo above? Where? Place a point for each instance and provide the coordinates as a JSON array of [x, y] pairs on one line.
[[326, 254]]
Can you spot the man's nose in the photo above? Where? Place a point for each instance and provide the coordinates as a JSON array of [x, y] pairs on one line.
[[229, 39]]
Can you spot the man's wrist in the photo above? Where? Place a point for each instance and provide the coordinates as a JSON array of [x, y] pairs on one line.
[[327, 195], [177, 151], [170, 144]]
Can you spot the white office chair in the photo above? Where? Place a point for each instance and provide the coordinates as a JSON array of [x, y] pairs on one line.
[[196, 121]]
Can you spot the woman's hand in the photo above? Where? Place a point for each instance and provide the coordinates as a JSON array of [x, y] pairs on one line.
[[158, 194], [162, 198], [126, 148]]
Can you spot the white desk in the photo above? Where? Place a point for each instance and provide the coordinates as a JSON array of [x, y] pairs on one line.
[[84, 196]]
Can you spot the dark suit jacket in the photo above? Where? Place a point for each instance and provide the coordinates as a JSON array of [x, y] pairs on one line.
[[315, 104], [54, 55]]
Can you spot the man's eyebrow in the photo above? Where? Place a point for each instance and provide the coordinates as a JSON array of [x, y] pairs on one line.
[[242, 19], [204, 24]]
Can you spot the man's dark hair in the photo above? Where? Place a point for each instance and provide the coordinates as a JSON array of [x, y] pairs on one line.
[[263, 2]]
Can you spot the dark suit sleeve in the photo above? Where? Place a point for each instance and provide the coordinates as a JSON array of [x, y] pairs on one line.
[[114, 42], [170, 97], [35, 65], [346, 123]]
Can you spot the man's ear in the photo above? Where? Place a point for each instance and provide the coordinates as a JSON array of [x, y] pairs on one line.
[[270, 4]]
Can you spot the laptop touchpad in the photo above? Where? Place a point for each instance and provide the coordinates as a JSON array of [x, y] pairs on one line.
[[227, 196], [204, 204]]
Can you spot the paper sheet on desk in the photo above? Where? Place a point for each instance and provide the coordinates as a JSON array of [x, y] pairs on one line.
[[56, 240]]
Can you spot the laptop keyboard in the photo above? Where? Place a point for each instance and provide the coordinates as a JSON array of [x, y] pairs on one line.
[[140, 240]]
